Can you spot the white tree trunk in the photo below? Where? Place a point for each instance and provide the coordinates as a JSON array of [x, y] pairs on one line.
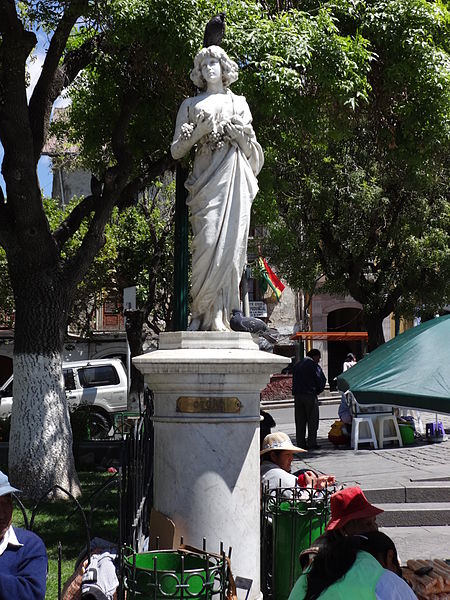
[[41, 436]]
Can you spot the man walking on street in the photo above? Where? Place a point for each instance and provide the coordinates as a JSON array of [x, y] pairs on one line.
[[308, 382]]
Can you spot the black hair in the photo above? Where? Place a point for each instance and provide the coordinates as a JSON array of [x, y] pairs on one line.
[[350, 356], [313, 352], [338, 555]]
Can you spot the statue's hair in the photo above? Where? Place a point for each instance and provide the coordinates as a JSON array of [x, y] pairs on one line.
[[228, 66]]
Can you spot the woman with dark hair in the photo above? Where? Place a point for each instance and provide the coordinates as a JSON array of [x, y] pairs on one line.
[[362, 567]]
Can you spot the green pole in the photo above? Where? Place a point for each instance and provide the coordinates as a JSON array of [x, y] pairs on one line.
[[181, 254]]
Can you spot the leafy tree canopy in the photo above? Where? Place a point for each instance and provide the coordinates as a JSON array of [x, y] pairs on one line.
[[357, 186]]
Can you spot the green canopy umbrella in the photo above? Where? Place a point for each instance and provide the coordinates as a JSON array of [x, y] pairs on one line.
[[412, 370]]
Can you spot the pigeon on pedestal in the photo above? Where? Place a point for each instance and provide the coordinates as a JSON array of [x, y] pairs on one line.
[[250, 324], [214, 31]]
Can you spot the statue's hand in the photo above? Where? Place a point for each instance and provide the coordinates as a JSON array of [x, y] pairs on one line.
[[232, 130], [205, 124]]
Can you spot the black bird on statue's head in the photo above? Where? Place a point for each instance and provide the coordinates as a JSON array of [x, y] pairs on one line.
[[251, 324], [214, 31]]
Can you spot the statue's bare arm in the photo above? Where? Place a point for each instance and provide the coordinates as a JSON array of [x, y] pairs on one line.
[[187, 133]]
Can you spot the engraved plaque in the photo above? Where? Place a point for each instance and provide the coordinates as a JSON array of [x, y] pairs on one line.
[[208, 404]]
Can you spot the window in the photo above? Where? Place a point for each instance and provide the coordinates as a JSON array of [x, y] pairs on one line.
[[98, 376], [8, 389], [69, 379]]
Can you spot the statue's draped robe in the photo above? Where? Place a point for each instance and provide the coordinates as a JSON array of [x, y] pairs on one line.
[[220, 199]]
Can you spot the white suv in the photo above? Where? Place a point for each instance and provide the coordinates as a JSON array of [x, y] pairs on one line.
[[98, 387]]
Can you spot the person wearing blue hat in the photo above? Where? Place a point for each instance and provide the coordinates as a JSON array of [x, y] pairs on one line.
[[23, 558]]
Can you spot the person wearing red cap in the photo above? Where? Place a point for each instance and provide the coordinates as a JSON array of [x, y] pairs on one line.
[[351, 514]]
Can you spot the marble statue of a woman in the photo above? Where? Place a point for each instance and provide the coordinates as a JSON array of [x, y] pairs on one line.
[[221, 186]]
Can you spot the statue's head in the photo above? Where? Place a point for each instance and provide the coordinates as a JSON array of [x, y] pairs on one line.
[[228, 67]]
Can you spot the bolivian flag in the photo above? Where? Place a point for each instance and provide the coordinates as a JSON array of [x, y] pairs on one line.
[[271, 278]]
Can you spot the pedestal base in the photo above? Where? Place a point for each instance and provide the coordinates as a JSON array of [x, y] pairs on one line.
[[207, 388]]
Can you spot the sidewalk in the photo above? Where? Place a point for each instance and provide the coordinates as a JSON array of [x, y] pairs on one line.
[[380, 468], [393, 467]]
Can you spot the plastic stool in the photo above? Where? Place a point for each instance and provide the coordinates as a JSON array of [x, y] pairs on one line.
[[356, 439], [389, 438]]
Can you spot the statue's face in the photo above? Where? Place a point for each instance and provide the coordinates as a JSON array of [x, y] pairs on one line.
[[211, 69]]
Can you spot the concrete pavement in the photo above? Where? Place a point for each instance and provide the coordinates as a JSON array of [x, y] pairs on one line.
[[411, 483]]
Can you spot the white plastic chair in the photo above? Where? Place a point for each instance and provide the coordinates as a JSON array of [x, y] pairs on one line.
[[365, 415], [362, 425], [359, 439], [393, 436]]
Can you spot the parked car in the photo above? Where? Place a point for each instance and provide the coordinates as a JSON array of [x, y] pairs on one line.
[[95, 390]]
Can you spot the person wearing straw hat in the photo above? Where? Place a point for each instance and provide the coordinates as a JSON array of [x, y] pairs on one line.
[[277, 455], [23, 559]]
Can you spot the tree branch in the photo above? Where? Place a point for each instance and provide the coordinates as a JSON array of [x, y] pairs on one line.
[[52, 79], [120, 146], [76, 60], [71, 224], [19, 168], [9, 22], [77, 266], [16, 45], [138, 184]]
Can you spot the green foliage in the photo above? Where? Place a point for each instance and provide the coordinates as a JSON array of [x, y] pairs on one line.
[[144, 235], [101, 279], [351, 102], [143, 62], [358, 161], [138, 250]]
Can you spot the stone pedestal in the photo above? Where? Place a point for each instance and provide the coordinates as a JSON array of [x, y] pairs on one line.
[[207, 387]]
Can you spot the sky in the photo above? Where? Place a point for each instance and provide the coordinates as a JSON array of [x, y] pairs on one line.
[[34, 66]]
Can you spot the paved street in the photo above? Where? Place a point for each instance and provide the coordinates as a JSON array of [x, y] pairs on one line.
[[409, 467], [371, 468]]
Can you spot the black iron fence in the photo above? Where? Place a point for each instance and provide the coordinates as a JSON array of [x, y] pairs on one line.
[[134, 478], [291, 519], [136, 482]]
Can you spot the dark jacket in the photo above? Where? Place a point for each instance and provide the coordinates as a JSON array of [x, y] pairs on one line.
[[23, 571], [308, 378]]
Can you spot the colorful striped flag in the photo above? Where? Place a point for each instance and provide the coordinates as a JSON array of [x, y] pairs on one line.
[[271, 278]]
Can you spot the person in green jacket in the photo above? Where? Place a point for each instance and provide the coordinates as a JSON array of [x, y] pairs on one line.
[[360, 567]]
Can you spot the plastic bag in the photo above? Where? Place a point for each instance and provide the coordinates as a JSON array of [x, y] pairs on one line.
[[338, 434]]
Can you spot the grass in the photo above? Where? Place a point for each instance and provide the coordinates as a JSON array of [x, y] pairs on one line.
[[58, 522]]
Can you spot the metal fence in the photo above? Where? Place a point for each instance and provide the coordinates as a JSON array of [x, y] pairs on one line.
[[134, 479], [291, 519], [136, 482]]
